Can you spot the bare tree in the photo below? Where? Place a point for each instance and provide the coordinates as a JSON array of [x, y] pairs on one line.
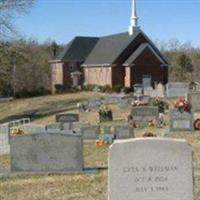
[[8, 10]]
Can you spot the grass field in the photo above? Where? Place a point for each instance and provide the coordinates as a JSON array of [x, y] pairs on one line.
[[78, 186]]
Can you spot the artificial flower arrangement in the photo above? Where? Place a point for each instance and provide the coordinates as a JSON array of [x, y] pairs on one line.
[[161, 104], [139, 103], [105, 114], [197, 124], [182, 105], [149, 134]]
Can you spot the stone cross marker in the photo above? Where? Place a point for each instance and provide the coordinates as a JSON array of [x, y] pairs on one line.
[[46, 152], [142, 115], [150, 169], [181, 121]]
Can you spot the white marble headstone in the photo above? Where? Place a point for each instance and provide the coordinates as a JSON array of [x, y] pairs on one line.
[[150, 169]]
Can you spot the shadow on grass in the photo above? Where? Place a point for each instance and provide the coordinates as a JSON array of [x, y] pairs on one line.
[[50, 109]]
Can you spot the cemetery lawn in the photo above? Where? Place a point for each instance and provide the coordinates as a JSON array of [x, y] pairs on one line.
[[51, 103], [81, 186], [91, 186]]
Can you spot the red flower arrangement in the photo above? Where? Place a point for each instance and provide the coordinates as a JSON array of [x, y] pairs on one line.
[[149, 134], [182, 104], [197, 124]]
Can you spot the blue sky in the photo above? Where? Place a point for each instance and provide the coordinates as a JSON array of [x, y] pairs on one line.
[[61, 20]]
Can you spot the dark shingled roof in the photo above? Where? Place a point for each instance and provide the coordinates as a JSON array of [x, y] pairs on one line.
[[138, 52], [78, 49], [109, 48]]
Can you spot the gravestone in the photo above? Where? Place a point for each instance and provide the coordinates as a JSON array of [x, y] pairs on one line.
[[33, 128], [91, 132], [67, 117], [177, 89], [66, 126], [138, 89], [181, 121], [160, 90], [150, 169], [4, 138], [194, 99], [54, 127], [142, 115], [114, 98], [124, 132], [46, 152]]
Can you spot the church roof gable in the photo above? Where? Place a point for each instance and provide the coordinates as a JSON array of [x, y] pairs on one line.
[[138, 52], [77, 49], [109, 48]]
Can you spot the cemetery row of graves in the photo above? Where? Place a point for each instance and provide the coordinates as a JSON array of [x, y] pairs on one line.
[[152, 165]]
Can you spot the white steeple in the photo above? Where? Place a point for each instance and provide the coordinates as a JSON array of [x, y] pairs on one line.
[[134, 19]]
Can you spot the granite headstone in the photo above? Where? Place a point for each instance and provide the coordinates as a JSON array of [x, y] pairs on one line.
[[142, 115], [46, 152], [181, 121], [150, 169]]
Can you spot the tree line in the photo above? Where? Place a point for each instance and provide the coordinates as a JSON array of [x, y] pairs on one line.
[[25, 70]]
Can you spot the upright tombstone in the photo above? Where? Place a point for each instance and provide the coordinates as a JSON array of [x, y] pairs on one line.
[[124, 132], [4, 138], [54, 127], [151, 168], [67, 117], [194, 99], [47, 152], [177, 89], [33, 128], [142, 115], [181, 121], [90, 132]]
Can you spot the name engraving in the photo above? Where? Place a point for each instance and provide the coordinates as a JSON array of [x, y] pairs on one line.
[[150, 178]]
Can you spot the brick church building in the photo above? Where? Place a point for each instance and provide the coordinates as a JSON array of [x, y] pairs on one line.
[[121, 59]]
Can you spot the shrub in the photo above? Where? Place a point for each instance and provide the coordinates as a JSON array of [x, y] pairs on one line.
[[58, 88], [127, 90], [106, 88], [89, 87], [117, 88]]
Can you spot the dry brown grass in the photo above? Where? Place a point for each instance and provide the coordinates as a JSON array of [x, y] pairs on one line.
[[62, 101], [76, 186]]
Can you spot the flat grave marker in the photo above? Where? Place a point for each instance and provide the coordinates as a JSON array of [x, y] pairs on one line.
[[67, 117], [90, 132]]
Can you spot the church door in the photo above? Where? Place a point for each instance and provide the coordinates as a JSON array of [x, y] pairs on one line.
[[146, 81]]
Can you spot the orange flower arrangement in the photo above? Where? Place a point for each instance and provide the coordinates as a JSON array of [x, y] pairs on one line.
[[182, 104]]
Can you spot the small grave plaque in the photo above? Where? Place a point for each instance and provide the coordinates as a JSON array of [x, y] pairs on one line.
[[46, 152], [124, 132], [177, 89], [194, 99], [142, 115], [91, 132], [150, 169], [67, 117], [181, 121]]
